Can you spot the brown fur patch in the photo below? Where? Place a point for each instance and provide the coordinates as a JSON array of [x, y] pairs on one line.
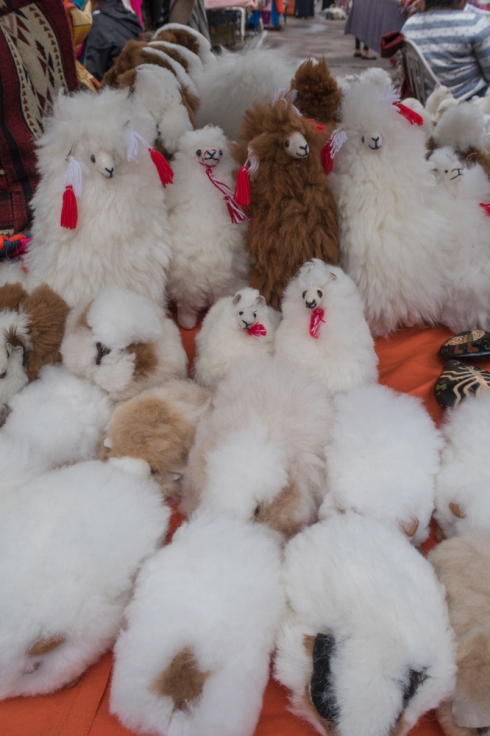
[[447, 723], [133, 54], [409, 527], [400, 727], [456, 510], [182, 681], [145, 358], [43, 646], [81, 322], [11, 296], [191, 103], [15, 340], [319, 95], [279, 513], [128, 79], [473, 677], [181, 37], [173, 53], [47, 313]]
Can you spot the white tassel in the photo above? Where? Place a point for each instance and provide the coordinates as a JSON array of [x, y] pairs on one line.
[[133, 141], [337, 140], [389, 95], [73, 177], [252, 163]]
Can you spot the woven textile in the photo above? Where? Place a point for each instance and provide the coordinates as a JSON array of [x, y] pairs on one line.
[[36, 61]]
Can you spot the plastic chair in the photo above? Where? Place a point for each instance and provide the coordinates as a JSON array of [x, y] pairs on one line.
[[421, 78]]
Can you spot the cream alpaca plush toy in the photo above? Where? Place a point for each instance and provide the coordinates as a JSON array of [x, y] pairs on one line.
[[100, 215], [123, 343], [265, 438], [76, 538], [366, 647], [324, 330], [235, 327], [462, 498], [392, 242], [194, 657], [208, 229], [383, 459]]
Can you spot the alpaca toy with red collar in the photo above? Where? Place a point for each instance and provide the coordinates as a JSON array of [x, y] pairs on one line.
[[324, 330], [208, 229]]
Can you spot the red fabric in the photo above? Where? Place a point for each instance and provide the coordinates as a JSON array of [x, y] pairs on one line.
[[408, 362], [257, 330], [316, 320], [413, 117]]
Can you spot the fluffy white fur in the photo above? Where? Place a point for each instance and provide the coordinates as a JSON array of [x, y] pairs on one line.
[[215, 591], [75, 538], [60, 416], [20, 463], [462, 127], [436, 97], [416, 106], [361, 582], [223, 337], [464, 477], [122, 235], [383, 459], [209, 258], [342, 356], [265, 439], [206, 56], [180, 73], [194, 63], [116, 321], [13, 376], [392, 242]]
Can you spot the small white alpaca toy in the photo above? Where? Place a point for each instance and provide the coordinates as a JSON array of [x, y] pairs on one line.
[[123, 343], [208, 230], [366, 647], [324, 330], [235, 327], [194, 657], [461, 126], [100, 215], [462, 497], [436, 98], [158, 426], [392, 242], [61, 416], [383, 459], [76, 537], [265, 438]]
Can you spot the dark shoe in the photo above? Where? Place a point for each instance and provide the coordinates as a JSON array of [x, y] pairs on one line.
[[459, 380], [472, 344]]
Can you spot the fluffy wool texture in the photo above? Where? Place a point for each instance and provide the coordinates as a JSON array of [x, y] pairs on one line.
[[158, 426], [194, 657], [123, 343], [463, 566], [61, 416], [293, 212], [75, 537], [190, 38], [20, 463], [190, 61], [342, 354], [122, 235], [439, 94], [209, 258], [462, 127], [383, 459], [390, 657], [460, 193], [392, 242], [225, 335], [264, 439], [318, 95], [462, 498]]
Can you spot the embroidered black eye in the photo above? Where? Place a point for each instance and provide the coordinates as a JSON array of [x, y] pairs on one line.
[[446, 171], [287, 144], [198, 152], [92, 158], [221, 153], [362, 139], [320, 293], [255, 314], [304, 294], [240, 313], [257, 511]]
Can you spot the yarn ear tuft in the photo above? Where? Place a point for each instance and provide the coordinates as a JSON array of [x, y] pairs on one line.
[[162, 166], [413, 117], [331, 148], [242, 187]]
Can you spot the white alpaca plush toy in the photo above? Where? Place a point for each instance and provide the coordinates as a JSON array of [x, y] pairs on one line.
[[76, 538], [462, 127], [383, 459], [264, 438], [235, 327], [61, 416], [436, 98], [123, 343], [462, 497], [100, 215], [324, 330], [194, 63], [366, 647], [194, 657], [209, 258], [392, 242]]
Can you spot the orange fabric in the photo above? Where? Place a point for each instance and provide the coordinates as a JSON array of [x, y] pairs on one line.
[[408, 362]]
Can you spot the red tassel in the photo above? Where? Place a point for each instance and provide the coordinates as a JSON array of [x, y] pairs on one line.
[[413, 117], [242, 188], [69, 209], [486, 207], [257, 330], [315, 321], [320, 127], [162, 166], [327, 158]]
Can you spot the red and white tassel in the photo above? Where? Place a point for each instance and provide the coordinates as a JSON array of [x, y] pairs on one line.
[[72, 189], [331, 148], [413, 117], [257, 330], [159, 161], [486, 207], [316, 320]]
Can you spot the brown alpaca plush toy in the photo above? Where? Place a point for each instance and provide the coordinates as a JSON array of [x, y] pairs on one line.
[[293, 216], [318, 95]]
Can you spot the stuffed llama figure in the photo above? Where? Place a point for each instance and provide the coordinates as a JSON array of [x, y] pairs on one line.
[[293, 216], [366, 647], [462, 565], [187, 58], [318, 95], [462, 498], [99, 211], [123, 343], [188, 38], [462, 127], [76, 537], [392, 242], [194, 657], [324, 330], [264, 438], [383, 459], [208, 230], [235, 327], [158, 426]]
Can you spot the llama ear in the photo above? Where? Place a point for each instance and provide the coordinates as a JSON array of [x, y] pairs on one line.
[[260, 301], [108, 443], [236, 298], [333, 277]]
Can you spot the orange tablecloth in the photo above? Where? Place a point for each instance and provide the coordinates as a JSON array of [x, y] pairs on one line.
[[408, 362]]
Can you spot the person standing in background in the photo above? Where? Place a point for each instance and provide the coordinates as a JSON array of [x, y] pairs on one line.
[[113, 25]]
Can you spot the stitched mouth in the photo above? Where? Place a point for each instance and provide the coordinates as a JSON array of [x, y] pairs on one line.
[[302, 155], [375, 147], [460, 173], [311, 305]]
